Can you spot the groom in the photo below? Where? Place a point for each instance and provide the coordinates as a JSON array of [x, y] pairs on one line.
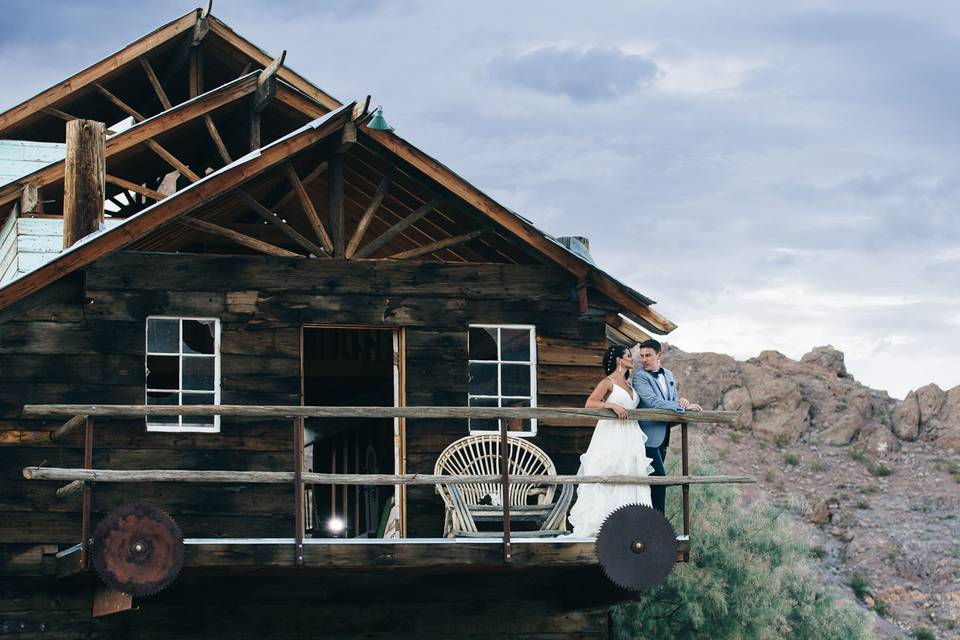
[[657, 390]]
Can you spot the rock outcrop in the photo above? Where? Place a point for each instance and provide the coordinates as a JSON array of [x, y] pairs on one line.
[[784, 400]]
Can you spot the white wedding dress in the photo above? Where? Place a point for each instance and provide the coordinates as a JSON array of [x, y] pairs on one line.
[[616, 449]]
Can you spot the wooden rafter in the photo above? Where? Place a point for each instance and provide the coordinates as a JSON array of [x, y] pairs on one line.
[[369, 212], [155, 82], [137, 188], [172, 160], [123, 106], [217, 140], [236, 236], [170, 209], [267, 83], [139, 134], [311, 212], [398, 228], [284, 226], [305, 180], [437, 245], [336, 205], [195, 73], [100, 72]]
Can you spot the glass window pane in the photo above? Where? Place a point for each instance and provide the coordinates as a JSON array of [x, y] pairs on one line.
[[516, 424], [198, 398], [483, 343], [484, 424], [198, 373], [515, 379], [167, 398], [483, 379], [198, 336], [163, 372], [163, 335], [515, 344]]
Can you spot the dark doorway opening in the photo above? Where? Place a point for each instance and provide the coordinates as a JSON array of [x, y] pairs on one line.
[[350, 367]]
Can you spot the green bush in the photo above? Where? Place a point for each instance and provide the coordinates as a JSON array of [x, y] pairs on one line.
[[792, 459], [746, 578], [923, 633], [879, 469], [860, 586]]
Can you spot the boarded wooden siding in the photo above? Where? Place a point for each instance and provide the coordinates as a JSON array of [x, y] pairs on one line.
[[21, 157], [62, 351], [29, 243]]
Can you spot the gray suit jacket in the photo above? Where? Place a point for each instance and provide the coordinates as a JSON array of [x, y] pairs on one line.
[[652, 397]]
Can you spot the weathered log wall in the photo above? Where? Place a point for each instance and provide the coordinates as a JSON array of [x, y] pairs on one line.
[[83, 341]]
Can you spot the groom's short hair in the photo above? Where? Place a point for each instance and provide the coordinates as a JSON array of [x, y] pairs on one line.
[[651, 344]]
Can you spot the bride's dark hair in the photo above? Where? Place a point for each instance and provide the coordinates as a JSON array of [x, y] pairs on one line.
[[610, 358]]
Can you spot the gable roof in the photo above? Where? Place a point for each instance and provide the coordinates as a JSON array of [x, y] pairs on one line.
[[630, 303], [180, 33]]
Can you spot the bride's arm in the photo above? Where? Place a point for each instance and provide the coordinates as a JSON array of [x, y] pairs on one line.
[[600, 393]]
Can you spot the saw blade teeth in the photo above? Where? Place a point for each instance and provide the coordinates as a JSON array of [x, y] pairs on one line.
[[636, 547], [137, 549]]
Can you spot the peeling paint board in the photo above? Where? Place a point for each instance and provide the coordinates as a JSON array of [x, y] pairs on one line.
[[31, 261], [40, 244], [40, 227], [10, 272], [22, 157]]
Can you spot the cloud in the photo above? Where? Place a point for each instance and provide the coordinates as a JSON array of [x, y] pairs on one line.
[[583, 75]]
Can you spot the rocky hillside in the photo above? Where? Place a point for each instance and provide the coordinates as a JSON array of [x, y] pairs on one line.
[[872, 482]]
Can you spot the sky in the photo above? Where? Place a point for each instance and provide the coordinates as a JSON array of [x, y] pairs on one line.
[[776, 175]]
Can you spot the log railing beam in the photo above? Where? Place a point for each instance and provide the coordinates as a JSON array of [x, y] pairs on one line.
[[67, 427]]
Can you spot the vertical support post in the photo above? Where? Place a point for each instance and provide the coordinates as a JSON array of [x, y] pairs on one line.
[[685, 469], [298, 489], [582, 304], [336, 205], [84, 180], [254, 129], [505, 473], [87, 495]]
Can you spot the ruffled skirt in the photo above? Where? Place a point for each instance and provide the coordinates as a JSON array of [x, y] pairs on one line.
[[618, 448]]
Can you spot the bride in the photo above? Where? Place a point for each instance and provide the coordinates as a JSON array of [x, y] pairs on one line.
[[617, 448]]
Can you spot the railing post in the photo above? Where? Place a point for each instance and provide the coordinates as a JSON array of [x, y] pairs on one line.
[[87, 494], [685, 470], [298, 489], [505, 475]]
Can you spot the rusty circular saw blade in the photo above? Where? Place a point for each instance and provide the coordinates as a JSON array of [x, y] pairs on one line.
[[137, 549], [636, 547]]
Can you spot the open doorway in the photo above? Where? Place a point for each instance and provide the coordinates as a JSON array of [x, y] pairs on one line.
[[351, 367]]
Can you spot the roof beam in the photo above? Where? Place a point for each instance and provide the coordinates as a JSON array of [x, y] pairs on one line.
[[172, 160], [236, 236], [120, 104], [437, 245], [155, 83], [368, 213], [267, 83], [169, 120], [100, 72], [308, 207], [217, 140], [505, 218], [137, 188], [170, 209], [284, 226], [398, 228]]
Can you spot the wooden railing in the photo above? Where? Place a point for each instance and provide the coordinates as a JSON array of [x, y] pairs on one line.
[[85, 414]]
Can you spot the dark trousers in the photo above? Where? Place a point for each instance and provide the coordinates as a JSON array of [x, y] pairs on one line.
[[658, 493]]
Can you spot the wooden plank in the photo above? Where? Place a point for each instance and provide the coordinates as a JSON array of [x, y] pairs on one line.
[[336, 205], [307, 205], [30, 201], [68, 427], [369, 212], [63, 115], [102, 71], [139, 134], [172, 208], [437, 245], [259, 56], [170, 159], [398, 228], [724, 417], [83, 182], [239, 238], [217, 140], [155, 82], [273, 218], [267, 83], [123, 106], [137, 188]]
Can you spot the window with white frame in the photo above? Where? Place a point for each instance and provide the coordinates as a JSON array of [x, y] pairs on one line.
[[502, 373], [183, 368]]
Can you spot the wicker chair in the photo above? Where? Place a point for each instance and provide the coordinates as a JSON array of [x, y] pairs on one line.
[[468, 504]]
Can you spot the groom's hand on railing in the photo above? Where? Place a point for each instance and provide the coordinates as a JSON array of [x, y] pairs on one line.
[[689, 406]]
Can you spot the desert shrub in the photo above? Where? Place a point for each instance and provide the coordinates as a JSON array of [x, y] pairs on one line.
[[879, 469], [924, 633], [792, 459], [747, 578]]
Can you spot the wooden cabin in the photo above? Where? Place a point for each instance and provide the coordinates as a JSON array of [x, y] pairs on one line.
[[262, 245]]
